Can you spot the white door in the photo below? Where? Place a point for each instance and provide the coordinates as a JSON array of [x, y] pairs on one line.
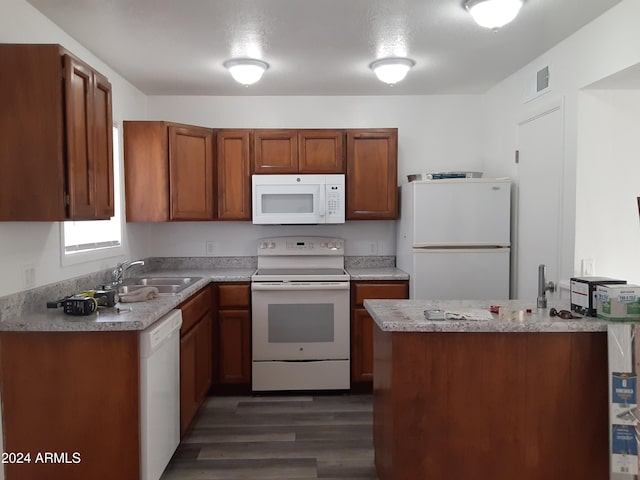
[[460, 274], [539, 201], [463, 212]]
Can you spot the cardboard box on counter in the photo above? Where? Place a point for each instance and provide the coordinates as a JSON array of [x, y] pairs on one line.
[[618, 302], [584, 295]]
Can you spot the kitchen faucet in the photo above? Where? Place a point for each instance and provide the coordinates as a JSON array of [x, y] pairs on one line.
[[118, 272], [543, 286]]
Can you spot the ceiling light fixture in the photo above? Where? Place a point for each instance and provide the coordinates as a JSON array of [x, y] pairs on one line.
[[392, 70], [493, 14], [246, 71]]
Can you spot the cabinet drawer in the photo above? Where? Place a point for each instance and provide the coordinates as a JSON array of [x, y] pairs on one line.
[[194, 308], [233, 295], [362, 291]]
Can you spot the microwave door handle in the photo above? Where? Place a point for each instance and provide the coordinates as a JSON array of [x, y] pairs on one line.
[[323, 201]]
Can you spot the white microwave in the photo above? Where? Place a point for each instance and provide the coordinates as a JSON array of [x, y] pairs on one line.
[[297, 199]]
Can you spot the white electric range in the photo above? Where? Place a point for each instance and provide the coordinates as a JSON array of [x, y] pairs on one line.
[[300, 315]]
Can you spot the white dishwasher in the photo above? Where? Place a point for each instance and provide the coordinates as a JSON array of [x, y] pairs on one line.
[[159, 394]]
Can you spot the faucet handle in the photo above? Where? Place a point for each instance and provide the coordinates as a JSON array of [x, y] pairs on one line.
[[550, 286]]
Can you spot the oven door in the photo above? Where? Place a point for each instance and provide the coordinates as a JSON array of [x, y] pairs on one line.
[[300, 320]]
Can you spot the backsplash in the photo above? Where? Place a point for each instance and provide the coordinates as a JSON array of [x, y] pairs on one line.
[[370, 262], [195, 263]]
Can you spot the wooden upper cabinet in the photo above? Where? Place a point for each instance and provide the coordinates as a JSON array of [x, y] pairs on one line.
[[372, 174], [191, 173], [298, 151], [275, 151], [146, 168], [57, 136], [321, 151], [234, 174], [169, 172]]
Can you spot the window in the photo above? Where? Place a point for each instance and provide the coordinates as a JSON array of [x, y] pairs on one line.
[[91, 240]]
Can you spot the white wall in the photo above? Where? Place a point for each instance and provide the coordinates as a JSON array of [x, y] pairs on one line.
[[608, 182], [434, 133], [607, 45], [38, 243]]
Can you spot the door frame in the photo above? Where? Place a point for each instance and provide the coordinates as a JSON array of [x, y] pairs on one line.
[[526, 116]]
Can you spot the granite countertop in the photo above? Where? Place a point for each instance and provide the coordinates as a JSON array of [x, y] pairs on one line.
[[408, 316], [141, 316], [377, 273]]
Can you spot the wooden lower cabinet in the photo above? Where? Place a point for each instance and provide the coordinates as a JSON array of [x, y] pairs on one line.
[[362, 326], [195, 354], [76, 394], [491, 405], [232, 339]]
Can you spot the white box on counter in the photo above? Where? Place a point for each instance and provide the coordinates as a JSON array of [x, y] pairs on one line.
[[618, 302]]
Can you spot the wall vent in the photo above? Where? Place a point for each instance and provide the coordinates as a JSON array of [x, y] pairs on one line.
[[542, 79], [537, 84]]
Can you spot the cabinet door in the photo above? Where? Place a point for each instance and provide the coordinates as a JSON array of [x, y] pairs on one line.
[[275, 151], [78, 79], [191, 177], [362, 325], [146, 171], [362, 346], [234, 175], [372, 157], [203, 358], [188, 403], [233, 347], [321, 151], [102, 147]]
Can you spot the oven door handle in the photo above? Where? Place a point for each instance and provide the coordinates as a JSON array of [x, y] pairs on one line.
[[291, 286]]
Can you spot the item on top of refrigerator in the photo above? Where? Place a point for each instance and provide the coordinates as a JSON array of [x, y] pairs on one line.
[[583, 295], [618, 302], [442, 175]]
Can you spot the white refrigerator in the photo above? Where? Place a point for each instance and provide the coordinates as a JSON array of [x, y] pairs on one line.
[[454, 238]]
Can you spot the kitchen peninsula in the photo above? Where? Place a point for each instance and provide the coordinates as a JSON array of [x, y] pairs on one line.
[[488, 398]]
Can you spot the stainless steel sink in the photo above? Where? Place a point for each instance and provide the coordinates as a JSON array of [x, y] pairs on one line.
[[155, 281], [165, 285]]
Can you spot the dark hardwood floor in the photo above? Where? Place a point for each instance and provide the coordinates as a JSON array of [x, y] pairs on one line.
[[283, 437]]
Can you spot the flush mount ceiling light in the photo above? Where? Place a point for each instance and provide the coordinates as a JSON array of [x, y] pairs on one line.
[[493, 14], [246, 71], [392, 70]]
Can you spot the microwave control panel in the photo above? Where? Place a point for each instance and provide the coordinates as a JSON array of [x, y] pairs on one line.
[[335, 200]]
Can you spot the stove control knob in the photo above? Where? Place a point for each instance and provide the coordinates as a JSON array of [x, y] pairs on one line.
[[323, 245], [271, 245], [332, 246], [263, 245]]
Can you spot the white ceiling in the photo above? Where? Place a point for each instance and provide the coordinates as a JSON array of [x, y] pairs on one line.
[[314, 47]]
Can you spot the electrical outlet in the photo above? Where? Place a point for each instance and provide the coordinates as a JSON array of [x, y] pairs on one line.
[[29, 276], [373, 248], [211, 247], [588, 267]]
